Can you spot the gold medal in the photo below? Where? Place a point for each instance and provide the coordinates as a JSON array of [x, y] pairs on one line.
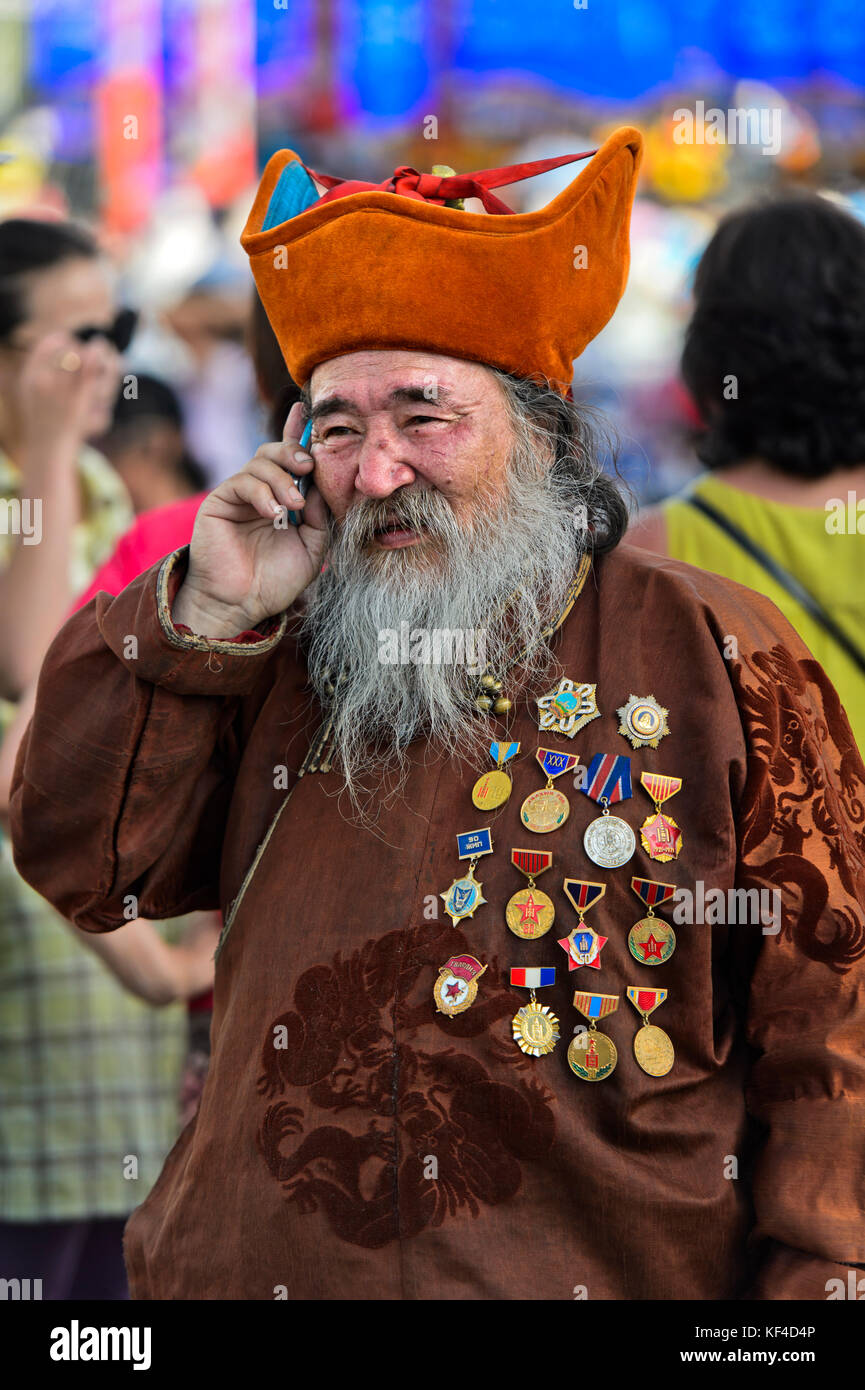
[[456, 988], [644, 721], [535, 1026], [530, 913], [492, 789], [660, 836], [652, 941], [653, 1048], [548, 809], [592, 1056]]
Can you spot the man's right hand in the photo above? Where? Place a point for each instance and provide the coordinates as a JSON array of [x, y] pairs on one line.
[[242, 567]]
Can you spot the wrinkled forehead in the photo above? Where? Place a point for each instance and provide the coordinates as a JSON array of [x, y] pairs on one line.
[[375, 380]]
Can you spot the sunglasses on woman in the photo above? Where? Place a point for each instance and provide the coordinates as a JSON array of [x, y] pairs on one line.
[[119, 332]]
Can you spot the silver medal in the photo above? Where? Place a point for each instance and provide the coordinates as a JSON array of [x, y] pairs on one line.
[[609, 841]]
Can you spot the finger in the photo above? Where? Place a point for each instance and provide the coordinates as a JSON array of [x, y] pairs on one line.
[[253, 492], [294, 423], [279, 482], [288, 456], [316, 513]]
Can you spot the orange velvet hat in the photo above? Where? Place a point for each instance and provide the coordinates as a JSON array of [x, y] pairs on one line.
[[391, 266]]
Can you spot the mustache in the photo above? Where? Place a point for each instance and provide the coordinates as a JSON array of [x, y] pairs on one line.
[[425, 510]]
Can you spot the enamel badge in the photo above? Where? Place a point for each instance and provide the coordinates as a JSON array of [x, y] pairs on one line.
[[456, 988], [464, 896], [568, 708], [583, 946], [530, 913], [592, 1056], [535, 1026]]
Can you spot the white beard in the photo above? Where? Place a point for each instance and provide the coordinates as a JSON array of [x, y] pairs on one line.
[[524, 545]]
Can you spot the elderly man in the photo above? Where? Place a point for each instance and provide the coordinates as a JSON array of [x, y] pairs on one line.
[[410, 1094]]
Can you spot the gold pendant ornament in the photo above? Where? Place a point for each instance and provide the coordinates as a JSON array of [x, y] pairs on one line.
[[492, 789], [530, 913], [653, 1048], [548, 809], [644, 721], [568, 708], [535, 1026], [652, 941], [464, 896], [608, 841], [592, 1056], [660, 836], [456, 988]]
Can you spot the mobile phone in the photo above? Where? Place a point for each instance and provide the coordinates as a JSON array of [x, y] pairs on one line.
[[302, 484]]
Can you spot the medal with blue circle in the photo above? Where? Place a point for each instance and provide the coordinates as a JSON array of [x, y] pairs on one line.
[[568, 708], [464, 896], [492, 789]]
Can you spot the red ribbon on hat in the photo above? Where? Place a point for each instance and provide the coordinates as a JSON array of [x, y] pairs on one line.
[[435, 188]]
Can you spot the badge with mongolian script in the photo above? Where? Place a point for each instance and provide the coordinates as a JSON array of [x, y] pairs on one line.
[[535, 1026], [592, 1056], [568, 708], [583, 946], [653, 1048], [644, 721], [464, 896], [456, 988], [492, 789], [651, 941], [548, 809], [609, 841], [660, 835], [530, 913]]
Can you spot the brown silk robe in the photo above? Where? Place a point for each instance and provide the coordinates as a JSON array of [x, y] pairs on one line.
[[305, 1170]]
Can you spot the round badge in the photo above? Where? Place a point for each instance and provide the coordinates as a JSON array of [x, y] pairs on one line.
[[491, 790], [536, 1029], [592, 1056], [545, 810], [609, 842], [651, 941], [644, 721], [530, 914], [454, 995], [653, 1050]]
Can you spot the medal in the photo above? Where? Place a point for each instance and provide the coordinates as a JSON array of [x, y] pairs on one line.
[[464, 896], [609, 841], [652, 1047], [568, 708], [644, 721], [530, 913], [548, 809], [660, 835], [536, 1028], [651, 941], [583, 946], [456, 988], [592, 1055], [492, 789]]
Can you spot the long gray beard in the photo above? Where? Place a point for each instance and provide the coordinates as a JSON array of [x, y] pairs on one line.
[[370, 606]]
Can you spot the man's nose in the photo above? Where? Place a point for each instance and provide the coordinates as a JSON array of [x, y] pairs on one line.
[[381, 469]]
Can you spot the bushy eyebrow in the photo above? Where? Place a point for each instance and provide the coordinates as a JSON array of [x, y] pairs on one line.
[[334, 405]]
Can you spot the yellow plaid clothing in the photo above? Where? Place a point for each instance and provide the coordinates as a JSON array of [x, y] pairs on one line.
[[89, 1074]]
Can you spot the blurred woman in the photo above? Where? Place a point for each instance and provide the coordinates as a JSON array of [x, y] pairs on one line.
[[89, 1074], [775, 359]]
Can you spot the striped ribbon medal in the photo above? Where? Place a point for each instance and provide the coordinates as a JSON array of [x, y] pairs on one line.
[[535, 1026], [530, 913], [652, 941], [492, 789], [583, 946], [592, 1056], [548, 809], [609, 841], [653, 1048], [660, 835]]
